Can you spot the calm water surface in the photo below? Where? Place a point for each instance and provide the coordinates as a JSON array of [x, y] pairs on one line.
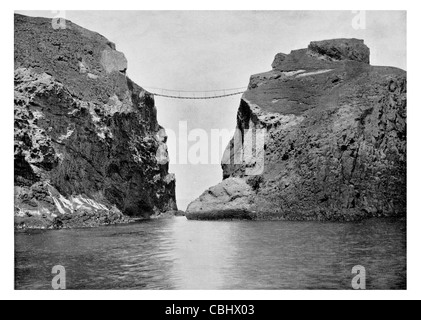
[[182, 254]]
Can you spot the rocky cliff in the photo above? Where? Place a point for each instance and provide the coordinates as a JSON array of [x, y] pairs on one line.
[[334, 145], [88, 148]]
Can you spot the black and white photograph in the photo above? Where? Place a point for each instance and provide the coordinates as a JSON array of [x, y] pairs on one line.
[[203, 150]]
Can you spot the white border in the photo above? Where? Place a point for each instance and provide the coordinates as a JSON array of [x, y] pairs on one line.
[[6, 223]]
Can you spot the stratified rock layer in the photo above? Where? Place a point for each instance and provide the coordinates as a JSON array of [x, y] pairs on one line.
[[88, 147], [335, 145]]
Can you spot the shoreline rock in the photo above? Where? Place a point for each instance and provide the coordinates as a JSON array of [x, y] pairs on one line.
[[231, 199], [74, 221], [335, 142], [84, 220], [169, 214], [88, 146]]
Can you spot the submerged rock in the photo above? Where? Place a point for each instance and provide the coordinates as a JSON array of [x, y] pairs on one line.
[[86, 136], [335, 142]]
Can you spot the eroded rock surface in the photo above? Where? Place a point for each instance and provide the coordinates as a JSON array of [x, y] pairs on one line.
[[335, 143], [86, 136], [228, 200]]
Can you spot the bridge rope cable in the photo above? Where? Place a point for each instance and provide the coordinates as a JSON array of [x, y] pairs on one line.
[[195, 95]]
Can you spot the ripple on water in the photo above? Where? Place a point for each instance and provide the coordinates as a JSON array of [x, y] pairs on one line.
[[181, 254]]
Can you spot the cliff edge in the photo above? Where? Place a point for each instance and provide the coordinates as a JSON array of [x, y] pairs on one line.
[[88, 147], [334, 145]]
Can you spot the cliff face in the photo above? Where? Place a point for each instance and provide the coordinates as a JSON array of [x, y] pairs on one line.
[[335, 144], [88, 148]]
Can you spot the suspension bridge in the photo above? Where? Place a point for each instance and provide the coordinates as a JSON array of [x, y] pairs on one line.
[[195, 95]]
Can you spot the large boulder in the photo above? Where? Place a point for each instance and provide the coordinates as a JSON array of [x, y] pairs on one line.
[[342, 49], [228, 200]]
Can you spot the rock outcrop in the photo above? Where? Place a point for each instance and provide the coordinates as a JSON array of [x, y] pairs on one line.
[[228, 200], [88, 147], [334, 145]]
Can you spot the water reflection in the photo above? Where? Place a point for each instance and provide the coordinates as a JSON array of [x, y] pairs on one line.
[[203, 253], [181, 254]]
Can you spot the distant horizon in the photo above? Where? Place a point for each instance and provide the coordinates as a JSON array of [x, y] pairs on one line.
[[211, 50]]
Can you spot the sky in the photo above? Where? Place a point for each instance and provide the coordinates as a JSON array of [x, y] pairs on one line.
[[212, 50]]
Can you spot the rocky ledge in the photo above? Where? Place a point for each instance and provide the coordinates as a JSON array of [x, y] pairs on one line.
[[335, 142], [88, 148]]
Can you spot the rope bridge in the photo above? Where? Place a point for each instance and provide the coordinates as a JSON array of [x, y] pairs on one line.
[[195, 95]]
